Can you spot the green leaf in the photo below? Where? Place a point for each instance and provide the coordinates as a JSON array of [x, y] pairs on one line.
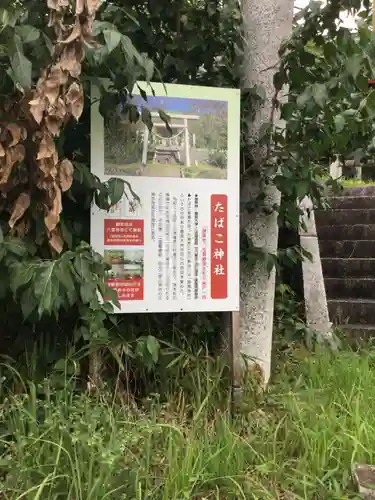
[[48, 43], [108, 308], [66, 233], [112, 39], [166, 119], [21, 274], [100, 26], [302, 189], [60, 365], [353, 65], [303, 98], [146, 118], [16, 246], [46, 288], [287, 110], [116, 189], [320, 94], [64, 273], [291, 254], [153, 347], [133, 113], [279, 80], [108, 294], [81, 265], [87, 292], [130, 50], [369, 103], [142, 92], [9, 17], [20, 65], [28, 303], [101, 198], [340, 123], [149, 68], [27, 33]]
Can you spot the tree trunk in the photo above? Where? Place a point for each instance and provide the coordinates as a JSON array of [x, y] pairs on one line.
[[266, 24]]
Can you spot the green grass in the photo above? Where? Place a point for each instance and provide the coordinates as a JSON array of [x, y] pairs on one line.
[[357, 182], [301, 438]]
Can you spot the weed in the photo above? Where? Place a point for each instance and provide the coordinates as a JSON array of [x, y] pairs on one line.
[[301, 437]]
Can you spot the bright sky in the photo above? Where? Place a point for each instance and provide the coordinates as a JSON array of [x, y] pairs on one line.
[[348, 21]]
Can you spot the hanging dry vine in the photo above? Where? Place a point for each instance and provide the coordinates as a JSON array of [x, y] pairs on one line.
[[29, 136]]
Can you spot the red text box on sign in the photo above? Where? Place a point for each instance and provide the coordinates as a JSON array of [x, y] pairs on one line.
[[123, 232], [127, 289], [219, 246]]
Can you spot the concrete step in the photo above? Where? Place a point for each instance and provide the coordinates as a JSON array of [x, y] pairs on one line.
[[348, 268], [354, 334], [343, 217], [346, 202], [345, 288], [352, 202], [347, 232], [358, 191], [353, 311], [347, 248]]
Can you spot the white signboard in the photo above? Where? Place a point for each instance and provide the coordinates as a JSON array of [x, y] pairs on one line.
[[178, 250]]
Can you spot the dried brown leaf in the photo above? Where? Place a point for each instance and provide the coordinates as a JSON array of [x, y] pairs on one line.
[[47, 148], [56, 240], [80, 7], [55, 117], [41, 82], [5, 170], [21, 229], [66, 171], [37, 108], [37, 136], [16, 132], [15, 154], [93, 6], [58, 110], [49, 169], [87, 26], [56, 21], [71, 59], [51, 92], [57, 4], [53, 217], [57, 76], [12, 156], [2, 151], [53, 125], [21, 205], [74, 100], [50, 86], [75, 33], [53, 4]]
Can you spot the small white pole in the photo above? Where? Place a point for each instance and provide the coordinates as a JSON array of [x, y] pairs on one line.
[[145, 145], [187, 146]]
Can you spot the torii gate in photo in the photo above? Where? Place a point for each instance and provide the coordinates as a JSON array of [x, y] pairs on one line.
[[184, 127]]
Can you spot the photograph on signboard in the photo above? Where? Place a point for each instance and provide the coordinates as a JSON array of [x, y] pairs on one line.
[[195, 146], [125, 264]]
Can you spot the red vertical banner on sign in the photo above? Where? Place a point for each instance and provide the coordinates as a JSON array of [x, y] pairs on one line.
[[219, 246]]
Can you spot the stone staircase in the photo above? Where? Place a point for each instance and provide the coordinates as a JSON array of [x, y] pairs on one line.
[[346, 235]]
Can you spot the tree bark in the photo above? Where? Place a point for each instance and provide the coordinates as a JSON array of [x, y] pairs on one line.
[[266, 25]]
